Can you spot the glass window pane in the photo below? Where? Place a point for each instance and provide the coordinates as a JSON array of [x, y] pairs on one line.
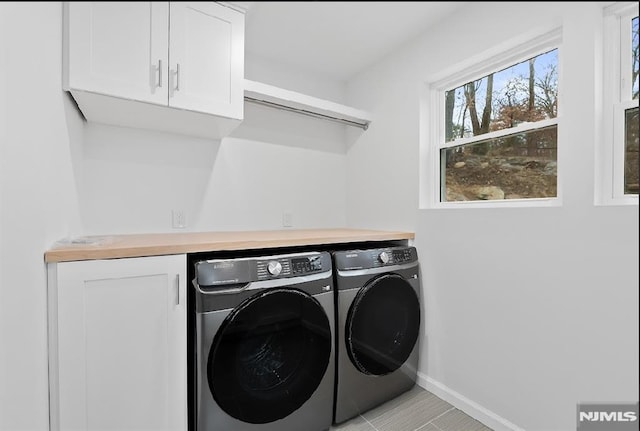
[[631, 159], [518, 166], [634, 57], [524, 92]]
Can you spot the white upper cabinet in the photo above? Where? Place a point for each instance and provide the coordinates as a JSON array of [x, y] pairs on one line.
[[206, 71], [119, 49], [166, 66]]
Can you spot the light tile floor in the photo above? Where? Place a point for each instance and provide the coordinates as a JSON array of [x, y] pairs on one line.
[[416, 409]]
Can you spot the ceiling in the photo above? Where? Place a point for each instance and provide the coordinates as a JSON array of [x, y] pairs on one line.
[[336, 39]]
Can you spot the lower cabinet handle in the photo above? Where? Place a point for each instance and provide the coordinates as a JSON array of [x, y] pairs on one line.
[[160, 73], [177, 77], [177, 289]]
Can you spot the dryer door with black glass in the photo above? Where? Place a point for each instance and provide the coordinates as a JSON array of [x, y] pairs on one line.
[[383, 324], [269, 355]]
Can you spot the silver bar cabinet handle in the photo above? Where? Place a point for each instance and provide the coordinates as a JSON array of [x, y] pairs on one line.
[[177, 289], [177, 77], [160, 73]]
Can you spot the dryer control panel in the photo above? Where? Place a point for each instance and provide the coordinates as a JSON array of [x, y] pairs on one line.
[[374, 258]]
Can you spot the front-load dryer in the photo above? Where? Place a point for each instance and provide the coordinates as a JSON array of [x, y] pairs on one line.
[[264, 337], [378, 326]]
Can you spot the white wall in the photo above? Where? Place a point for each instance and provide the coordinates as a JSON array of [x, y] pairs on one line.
[[4, 363], [258, 68], [528, 311], [132, 179], [61, 177], [38, 200]]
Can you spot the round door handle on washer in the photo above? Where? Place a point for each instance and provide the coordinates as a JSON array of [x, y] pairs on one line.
[[274, 268], [384, 257]]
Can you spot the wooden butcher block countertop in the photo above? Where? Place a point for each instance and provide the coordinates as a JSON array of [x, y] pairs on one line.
[[138, 245]]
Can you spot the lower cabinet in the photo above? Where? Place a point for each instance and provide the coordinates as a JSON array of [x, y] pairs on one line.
[[117, 343]]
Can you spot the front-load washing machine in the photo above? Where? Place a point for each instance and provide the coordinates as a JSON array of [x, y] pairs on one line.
[[264, 337], [378, 324]]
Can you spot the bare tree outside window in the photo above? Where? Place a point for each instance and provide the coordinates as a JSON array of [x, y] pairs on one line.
[[631, 154], [518, 165]]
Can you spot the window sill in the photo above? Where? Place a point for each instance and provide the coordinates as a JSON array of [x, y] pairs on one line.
[[618, 202], [507, 203]]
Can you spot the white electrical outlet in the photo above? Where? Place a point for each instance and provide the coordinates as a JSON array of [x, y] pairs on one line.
[[287, 219], [178, 219]]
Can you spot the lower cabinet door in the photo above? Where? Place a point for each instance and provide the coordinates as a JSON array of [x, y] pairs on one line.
[[119, 340]]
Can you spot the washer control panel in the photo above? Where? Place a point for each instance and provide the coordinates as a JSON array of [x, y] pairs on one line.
[[221, 272], [285, 267], [362, 259]]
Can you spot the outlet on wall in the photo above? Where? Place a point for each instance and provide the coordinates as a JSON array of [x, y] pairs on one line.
[[287, 219], [178, 219]]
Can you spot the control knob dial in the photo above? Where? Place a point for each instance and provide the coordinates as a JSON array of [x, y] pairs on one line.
[[384, 257], [274, 267]]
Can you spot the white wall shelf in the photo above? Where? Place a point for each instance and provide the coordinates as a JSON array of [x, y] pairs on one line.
[[269, 95]]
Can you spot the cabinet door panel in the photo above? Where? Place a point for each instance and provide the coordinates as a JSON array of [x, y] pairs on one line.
[[121, 344], [206, 45], [115, 48]]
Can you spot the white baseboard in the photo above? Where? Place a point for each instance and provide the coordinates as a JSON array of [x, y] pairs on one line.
[[463, 403]]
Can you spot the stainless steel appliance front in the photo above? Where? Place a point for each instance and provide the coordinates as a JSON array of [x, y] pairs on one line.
[[264, 337]]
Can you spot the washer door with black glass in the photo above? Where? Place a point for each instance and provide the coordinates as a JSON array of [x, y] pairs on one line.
[[382, 325], [269, 355]]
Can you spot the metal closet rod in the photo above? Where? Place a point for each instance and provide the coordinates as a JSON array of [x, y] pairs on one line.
[[363, 126]]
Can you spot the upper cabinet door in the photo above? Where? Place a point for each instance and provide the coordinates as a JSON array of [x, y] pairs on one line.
[[119, 49], [206, 58]]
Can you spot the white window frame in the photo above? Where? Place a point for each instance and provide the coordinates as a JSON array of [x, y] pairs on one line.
[[432, 122], [617, 99]]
